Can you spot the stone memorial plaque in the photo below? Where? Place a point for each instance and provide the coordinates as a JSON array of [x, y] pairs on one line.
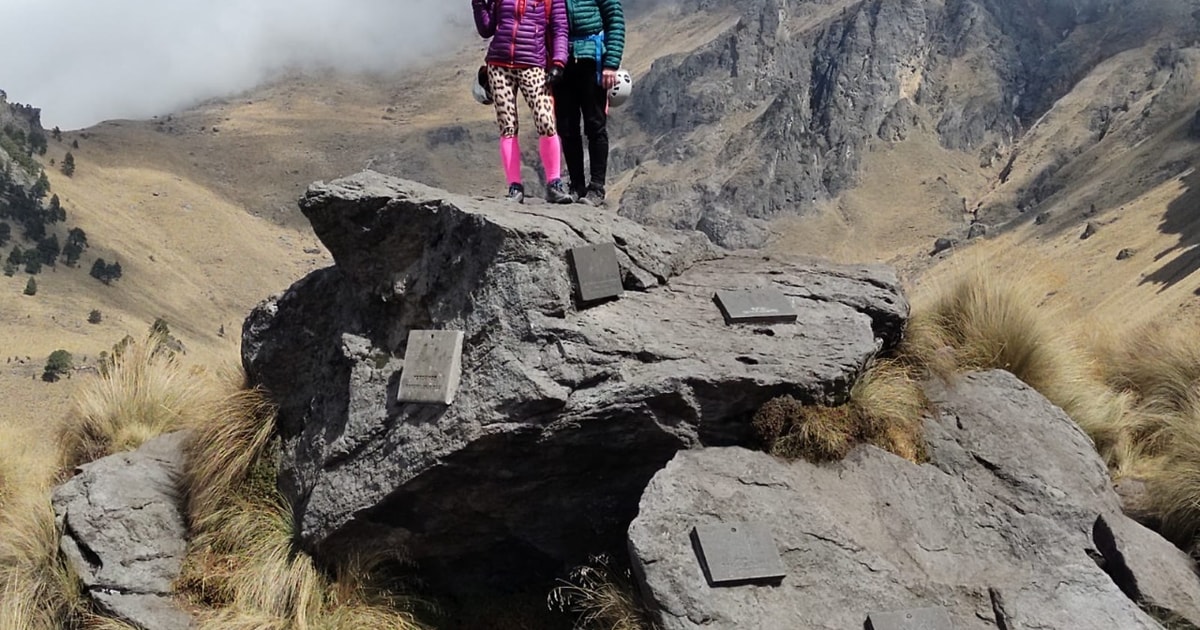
[[432, 366], [915, 619], [596, 271], [738, 553], [756, 306]]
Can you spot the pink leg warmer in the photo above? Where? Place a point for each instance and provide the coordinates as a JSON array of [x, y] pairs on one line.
[[510, 157], [551, 150]]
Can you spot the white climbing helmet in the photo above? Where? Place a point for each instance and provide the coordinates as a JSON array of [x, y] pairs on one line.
[[479, 90], [620, 92]]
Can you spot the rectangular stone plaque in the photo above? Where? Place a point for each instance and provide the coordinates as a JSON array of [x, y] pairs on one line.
[[596, 271], [738, 553], [915, 619], [756, 306], [432, 366]]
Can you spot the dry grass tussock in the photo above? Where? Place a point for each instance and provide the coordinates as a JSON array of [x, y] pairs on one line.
[[995, 320], [37, 591], [885, 409], [243, 569], [1137, 395], [603, 597], [145, 390]]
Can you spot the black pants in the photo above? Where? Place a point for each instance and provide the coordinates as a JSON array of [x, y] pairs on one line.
[[579, 94]]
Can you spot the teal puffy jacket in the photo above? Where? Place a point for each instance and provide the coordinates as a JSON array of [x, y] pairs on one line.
[[589, 17]]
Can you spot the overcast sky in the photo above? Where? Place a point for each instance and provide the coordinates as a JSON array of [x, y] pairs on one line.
[[84, 61]]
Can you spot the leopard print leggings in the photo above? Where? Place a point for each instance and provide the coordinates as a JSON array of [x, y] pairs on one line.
[[532, 82]]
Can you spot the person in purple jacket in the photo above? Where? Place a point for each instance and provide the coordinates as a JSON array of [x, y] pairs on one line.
[[528, 52]]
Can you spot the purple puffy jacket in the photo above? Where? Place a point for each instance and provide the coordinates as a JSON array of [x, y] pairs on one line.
[[522, 31]]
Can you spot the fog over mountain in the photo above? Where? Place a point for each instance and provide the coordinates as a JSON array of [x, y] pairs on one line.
[[84, 61]]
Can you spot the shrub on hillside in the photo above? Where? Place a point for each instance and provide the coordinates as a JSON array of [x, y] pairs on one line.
[[31, 287], [68, 164], [58, 364], [95, 317]]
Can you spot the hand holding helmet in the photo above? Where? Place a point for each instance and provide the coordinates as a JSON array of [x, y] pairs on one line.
[[620, 87]]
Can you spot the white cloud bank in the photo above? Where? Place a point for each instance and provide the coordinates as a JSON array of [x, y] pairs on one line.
[[84, 61]]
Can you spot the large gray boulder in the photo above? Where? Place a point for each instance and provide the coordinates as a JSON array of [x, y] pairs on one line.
[[123, 532], [564, 412], [1013, 525]]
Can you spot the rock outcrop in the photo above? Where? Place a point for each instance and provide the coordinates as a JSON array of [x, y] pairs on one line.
[[564, 411], [124, 532], [1013, 524]]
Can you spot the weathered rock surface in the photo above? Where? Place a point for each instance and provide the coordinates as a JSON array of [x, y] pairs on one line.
[[124, 532], [1013, 524], [564, 413]]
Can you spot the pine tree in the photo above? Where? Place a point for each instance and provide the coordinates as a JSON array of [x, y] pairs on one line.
[[68, 164], [76, 243], [31, 287], [55, 212], [16, 256], [5, 233], [41, 187], [33, 261], [57, 133], [49, 249]]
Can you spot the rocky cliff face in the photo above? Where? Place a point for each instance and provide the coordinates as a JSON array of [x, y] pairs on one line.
[[564, 410], [774, 116]]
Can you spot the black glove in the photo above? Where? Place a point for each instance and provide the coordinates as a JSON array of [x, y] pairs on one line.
[[554, 74]]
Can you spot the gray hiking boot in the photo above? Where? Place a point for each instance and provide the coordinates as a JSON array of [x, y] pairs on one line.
[[516, 193], [556, 192]]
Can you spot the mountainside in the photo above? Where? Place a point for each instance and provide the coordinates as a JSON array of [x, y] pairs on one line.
[[860, 131]]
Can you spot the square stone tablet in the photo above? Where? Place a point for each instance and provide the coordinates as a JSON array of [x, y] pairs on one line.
[[432, 366], [915, 619], [738, 553], [756, 306], [596, 271]]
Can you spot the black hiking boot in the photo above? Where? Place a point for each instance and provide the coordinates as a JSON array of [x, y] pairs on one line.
[[556, 192], [594, 196], [516, 193]]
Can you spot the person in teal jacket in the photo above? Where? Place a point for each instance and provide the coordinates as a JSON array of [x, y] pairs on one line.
[[596, 31]]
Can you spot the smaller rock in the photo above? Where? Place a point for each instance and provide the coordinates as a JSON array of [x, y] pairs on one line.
[[1041, 219], [977, 230], [941, 245], [1089, 231], [1126, 254], [124, 532]]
